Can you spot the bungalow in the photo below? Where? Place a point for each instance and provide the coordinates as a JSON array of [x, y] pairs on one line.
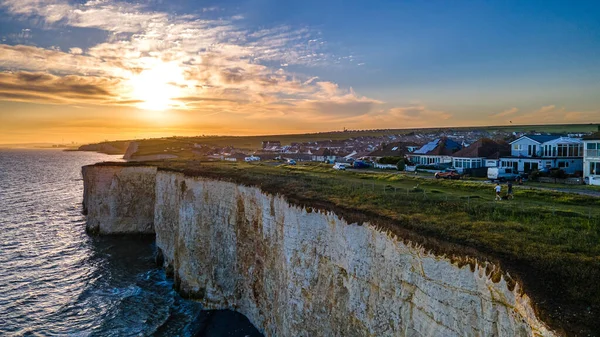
[[234, 157], [322, 155], [436, 152], [266, 144], [591, 159], [398, 149], [534, 152], [483, 153]]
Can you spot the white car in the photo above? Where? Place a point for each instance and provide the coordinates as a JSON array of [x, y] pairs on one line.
[[339, 166]]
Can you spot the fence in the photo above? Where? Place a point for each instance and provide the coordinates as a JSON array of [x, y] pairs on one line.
[[568, 181]]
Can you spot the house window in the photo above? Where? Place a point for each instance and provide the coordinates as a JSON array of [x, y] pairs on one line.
[[563, 164], [595, 168]]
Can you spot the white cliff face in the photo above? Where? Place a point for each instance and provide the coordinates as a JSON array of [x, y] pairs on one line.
[[119, 199], [297, 272]]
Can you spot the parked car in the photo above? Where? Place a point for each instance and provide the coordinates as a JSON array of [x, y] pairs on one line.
[[360, 164], [447, 174], [291, 162], [339, 166], [502, 174]]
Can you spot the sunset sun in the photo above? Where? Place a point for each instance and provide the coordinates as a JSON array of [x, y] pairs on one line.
[[157, 87]]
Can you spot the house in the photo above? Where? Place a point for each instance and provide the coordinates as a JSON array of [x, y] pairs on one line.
[[397, 149], [483, 153], [436, 152], [234, 157], [591, 159], [322, 155], [271, 145], [535, 152]]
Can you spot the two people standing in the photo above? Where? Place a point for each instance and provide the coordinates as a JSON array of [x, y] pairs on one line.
[[498, 189]]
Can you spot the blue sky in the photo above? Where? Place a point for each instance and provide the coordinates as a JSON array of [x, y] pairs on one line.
[[267, 66]]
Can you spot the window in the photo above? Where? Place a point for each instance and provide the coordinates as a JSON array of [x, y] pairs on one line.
[[595, 168], [562, 164]]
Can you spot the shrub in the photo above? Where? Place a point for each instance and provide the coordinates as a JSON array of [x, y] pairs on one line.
[[401, 165], [390, 160], [558, 174], [534, 175]]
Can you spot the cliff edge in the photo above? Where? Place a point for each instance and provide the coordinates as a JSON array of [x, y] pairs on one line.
[[300, 271]]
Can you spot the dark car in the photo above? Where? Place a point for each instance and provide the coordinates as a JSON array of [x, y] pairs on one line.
[[447, 174]]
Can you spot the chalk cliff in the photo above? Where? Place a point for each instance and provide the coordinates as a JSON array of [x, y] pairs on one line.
[[296, 271]]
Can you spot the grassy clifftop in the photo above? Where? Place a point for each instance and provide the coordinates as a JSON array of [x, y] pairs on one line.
[[548, 240]]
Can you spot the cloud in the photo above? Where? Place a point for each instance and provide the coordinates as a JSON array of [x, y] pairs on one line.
[[209, 66], [416, 115], [505, 113], [76, 51], [46, 88], [554, 115]]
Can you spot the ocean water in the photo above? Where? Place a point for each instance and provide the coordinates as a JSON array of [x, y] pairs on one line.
[[56, 280]]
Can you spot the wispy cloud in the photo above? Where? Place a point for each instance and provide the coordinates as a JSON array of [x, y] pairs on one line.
[[506, 113], [555, 115]]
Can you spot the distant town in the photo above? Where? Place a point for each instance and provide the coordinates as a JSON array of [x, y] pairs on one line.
[[570, 157]]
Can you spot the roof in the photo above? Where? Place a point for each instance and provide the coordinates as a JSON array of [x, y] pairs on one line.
[[564, 140], [537, 138], [397, 149], [484, 148], [440, 147], [593, 136]]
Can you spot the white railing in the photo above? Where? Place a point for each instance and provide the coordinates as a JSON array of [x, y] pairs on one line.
[[592, 153]]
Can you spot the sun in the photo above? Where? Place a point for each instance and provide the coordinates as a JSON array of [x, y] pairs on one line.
[[157, 87]]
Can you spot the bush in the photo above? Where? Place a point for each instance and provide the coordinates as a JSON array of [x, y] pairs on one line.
[[390, 160], [558, 174], [401, 165], [534, 175]]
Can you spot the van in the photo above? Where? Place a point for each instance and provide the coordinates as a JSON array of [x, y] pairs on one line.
[[501, 174], [339, 166]]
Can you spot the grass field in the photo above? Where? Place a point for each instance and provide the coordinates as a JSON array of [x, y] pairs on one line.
[[549, 240]]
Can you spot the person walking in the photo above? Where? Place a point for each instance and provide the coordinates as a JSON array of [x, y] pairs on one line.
[[509, 193], [498, 189]]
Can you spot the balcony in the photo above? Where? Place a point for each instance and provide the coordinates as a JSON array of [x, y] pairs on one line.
[[592, 153]]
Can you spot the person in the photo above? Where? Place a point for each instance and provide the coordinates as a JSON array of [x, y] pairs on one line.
[[509, 193], [498, 189]]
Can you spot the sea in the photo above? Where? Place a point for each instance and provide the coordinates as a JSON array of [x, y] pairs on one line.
[[56, 280]]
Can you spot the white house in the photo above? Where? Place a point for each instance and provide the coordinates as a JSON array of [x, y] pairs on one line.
[[591, 159], [535, 152]]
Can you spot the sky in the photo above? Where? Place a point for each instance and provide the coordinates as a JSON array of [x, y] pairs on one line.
[[84, 71]]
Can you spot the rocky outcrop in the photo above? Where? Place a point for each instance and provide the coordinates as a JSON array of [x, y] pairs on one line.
[[119, 200], [300, 272]]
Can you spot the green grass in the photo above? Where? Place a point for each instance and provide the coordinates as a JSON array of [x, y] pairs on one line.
[[550, 240]]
